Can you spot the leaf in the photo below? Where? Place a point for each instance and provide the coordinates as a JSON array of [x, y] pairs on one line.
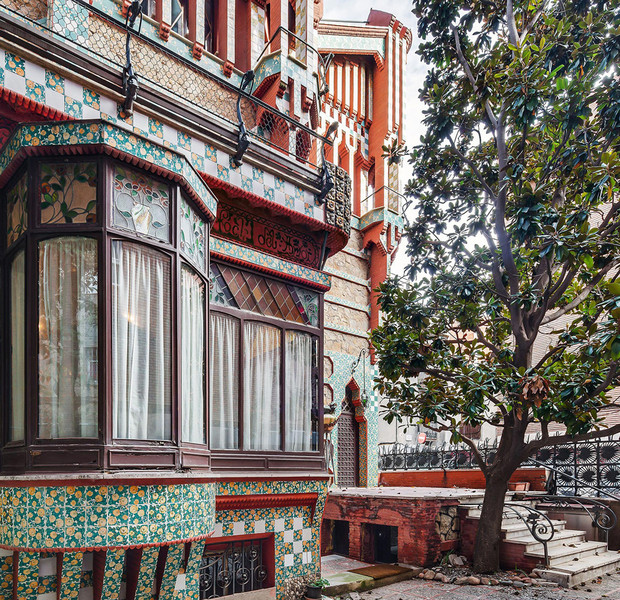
[[588, 261], [614, 288]]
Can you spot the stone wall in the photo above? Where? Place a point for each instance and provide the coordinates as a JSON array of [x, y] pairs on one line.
[[340, 316], [352, 290]]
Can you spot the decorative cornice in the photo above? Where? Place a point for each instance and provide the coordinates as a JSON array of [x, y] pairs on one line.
[[267, 263], [267, 501], [81, 137], [336, 239], [32, 106]]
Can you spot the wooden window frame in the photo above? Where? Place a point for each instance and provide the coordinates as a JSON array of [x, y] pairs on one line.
[[74, 454], [241, 459]]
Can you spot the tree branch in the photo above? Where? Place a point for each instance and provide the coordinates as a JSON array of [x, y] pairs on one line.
[[580, 297], [513, 36], [556, 440]]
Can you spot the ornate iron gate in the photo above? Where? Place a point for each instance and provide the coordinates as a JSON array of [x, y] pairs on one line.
[[348, 445], [232, 568]]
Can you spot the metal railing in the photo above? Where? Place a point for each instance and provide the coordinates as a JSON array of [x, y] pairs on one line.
[[602, 516], [232, 568], [581, 468], [103, 37]]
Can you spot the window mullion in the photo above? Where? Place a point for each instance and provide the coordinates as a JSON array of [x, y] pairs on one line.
[[241, 375], [283, 391]]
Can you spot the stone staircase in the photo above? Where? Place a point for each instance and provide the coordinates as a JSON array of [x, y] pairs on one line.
[[572, 559]]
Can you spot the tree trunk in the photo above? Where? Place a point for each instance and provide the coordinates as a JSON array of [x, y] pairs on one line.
[[486, 549]]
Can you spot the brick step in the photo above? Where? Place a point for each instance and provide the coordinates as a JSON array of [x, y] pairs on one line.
[[565, 536], [569, 552], [587, 569]]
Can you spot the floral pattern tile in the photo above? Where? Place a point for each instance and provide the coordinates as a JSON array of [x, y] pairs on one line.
[[92, 99], [35, 91], [55, 82], [15, 64], [104, 516]]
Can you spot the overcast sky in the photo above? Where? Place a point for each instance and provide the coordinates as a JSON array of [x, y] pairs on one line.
[[357, 10]]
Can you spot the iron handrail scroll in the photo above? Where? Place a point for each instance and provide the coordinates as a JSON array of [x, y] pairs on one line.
[[537, 522], [602, 516]]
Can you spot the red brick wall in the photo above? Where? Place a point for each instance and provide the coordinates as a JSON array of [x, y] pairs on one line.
[[464, 478], [510, 555], [419, 542]]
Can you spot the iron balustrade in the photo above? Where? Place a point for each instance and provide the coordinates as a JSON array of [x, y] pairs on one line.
[[232, 568], [603, 517], [581, 468]]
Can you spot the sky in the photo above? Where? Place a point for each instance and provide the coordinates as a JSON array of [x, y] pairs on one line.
[[357, 10]]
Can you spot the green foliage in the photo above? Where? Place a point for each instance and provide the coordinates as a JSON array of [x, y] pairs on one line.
[[511, 312]]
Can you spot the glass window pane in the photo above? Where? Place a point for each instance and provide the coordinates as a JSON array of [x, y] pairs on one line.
[[224, 381], [68, 338], [141, 204], [68, 193], [18, 349], [17, 210], [299, 391], [193, 240], [261, 417], [193, 310], [140, 343]]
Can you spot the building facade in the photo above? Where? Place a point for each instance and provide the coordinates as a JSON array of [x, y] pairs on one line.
[[366, 98], [165, 220]]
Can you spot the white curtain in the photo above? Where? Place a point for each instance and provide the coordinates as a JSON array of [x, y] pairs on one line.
[[224, 382], [68, 338], [298, 391], [18, 348], [193, 356], [140, 343], [261, 401]]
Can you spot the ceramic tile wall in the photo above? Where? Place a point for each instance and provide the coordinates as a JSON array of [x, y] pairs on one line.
[[53, 90]]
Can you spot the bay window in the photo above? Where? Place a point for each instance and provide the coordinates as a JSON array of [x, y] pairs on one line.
[[126, 348], [269, 402], [106, 304]]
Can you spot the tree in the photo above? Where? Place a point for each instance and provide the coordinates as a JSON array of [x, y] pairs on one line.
[[516, 233]]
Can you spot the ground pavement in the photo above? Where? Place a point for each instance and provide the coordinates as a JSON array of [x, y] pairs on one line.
[[419, 589]]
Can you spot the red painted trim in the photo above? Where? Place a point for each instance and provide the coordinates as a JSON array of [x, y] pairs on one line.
[[113, 547], [165, 480], [33, 106], [290, 478], [269, 271], [267, 501], [257, 200]]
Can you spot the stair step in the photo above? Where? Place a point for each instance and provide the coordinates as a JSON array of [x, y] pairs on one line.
[[576, 572], [565, 536], [521, 530], [569, 552]]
